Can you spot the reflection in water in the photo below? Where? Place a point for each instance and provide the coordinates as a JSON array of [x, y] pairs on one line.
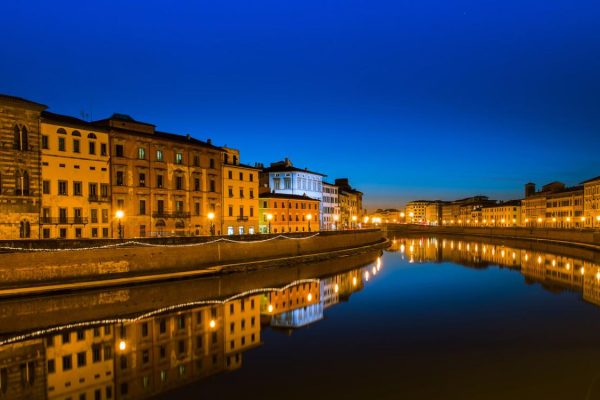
[[553, 272], [139, 357]]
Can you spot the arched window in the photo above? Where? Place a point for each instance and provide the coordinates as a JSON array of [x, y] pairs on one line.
[[179, 224], [76, 133], [24, 229], [91, 135], [24, 139], [22, 183], [61, 131]]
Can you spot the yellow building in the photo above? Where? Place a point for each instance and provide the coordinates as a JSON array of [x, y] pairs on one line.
[[281, 213], [76, 200], [591, 200], [564, 209], [164, 184], [533, 206], [22, 370], [351, 208], [80, 364], [415, 211], [240, 195], [502, 215]]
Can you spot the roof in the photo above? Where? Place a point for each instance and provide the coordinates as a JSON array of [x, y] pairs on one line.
[[121, 117], [285, 196], [183, 139], [71, 121], [5, 98], [591, 180], [289, 168], [510, 203]]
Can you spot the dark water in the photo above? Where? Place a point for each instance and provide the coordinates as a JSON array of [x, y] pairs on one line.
[[431, 319]]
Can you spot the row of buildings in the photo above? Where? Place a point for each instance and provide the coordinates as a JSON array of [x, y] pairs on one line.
[[150, 356], [63, 177], [553, 206]]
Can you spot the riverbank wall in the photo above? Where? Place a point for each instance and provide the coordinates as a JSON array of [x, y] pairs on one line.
[[581, 238], [34, 263]]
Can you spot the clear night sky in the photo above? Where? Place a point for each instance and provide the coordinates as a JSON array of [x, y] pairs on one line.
[[409, 99]]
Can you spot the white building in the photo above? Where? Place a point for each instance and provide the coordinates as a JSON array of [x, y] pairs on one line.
[[330, 213], [283, 177]]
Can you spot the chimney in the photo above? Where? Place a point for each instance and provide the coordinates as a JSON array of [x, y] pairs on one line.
[[529, 189], [209, 141]]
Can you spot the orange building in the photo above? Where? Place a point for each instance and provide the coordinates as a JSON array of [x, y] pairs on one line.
[[163, 184], [280, 213]]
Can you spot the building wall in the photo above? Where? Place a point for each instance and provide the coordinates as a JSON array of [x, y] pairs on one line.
[[196, 200], [19, 168], [71, 167], [22, 370], [241, 318], [501, 215], [591, 201], [565, 210], [289, 214], [240, 195], [330, 207], [350, 209], [415, 212]]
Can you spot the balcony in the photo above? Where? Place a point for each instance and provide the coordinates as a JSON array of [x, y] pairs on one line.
[[175, 214], [99, 199], [63, 221], [242, 218]]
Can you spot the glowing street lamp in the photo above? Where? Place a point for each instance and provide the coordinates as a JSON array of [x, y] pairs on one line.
[[122, 345], [120, 214], [269, 218], [211, 217], [354, 219], [336, 218], [309, 217]]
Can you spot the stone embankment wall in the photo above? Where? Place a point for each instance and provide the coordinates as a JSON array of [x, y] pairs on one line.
[[43, 267], [585, 237]]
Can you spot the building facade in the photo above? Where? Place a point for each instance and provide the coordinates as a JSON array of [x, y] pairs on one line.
[[503, 214], [351, 207], [330, 207], [591, 202], [162, 184], [20, 168], [75, 159], [240, 195], [282, 213]]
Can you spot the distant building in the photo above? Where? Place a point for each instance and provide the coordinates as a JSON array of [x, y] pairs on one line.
[[503, 214], [591, 200], [281, 213], [330, 207], [554, 205], [465, 211]]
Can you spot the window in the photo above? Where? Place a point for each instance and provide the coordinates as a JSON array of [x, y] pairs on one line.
[[103, 149], [24, 229], [62, 218], [61, 144], [179, 206], [142, 207], [230, 190], [251, 176], [142, 230], [251, 193], [51, 366], [93, 190], [21, 138], [160, 206], [120, 178], [45, 142], [104, 215], [76, 188], [145, 329], [67, 363], [196, 208], [141, 153], [212, 163], [241, 193], [46, 187], [81, 359], [142, 179], [62, 188], [178, 158], [159, 181], [196, 184], [145, 357], [196, 160], [159, 155], [91, 147], [76, 146], [230, 211], [230, 174], [179, 182], [212, 185], [104, 189], [241, 176]]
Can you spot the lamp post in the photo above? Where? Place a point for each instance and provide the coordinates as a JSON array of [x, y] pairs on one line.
[[269, 218], [336, 218], [309, 217], [211, 217], [120, 214], [354, 218]]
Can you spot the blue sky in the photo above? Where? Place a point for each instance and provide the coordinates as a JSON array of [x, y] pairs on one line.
[[409, 99]]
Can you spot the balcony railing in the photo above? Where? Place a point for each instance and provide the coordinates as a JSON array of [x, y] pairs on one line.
[[63, 221], [242, 218], [99, 199], [175, 214]]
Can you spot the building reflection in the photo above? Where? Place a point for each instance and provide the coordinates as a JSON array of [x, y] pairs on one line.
[[554, 272], [140, 357]]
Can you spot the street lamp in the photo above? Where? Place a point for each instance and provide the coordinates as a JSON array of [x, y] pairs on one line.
[[309, 217], [597, 220], [336, 218], [354, 218], [211, 217], [269, 218], [120, 214]]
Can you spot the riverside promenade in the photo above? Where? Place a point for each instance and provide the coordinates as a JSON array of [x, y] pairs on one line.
[[36, 267]]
